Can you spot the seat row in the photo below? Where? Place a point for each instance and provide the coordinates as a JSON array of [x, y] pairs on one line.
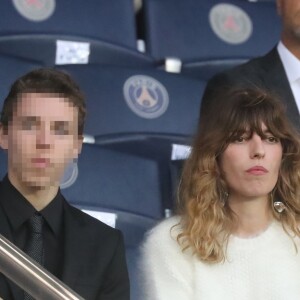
[[206, 36]]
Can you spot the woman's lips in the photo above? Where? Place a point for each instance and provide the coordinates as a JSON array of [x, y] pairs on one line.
[[257, 170]]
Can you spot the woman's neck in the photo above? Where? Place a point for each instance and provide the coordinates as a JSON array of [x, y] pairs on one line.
[[253, 216]]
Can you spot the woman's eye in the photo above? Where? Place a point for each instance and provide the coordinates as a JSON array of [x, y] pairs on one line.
[[272, 139], [240, 139]]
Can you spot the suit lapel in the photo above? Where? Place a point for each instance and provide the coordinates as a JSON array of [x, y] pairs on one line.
[[74, 247], [275, 78], [4, 227]]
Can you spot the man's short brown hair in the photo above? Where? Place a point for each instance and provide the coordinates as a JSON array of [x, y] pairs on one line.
[[45, 81]]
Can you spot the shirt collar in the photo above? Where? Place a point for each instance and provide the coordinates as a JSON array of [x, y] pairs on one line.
[[290, 62], [18, 209]]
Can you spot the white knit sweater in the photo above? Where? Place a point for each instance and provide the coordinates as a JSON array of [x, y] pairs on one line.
[[265, 267]]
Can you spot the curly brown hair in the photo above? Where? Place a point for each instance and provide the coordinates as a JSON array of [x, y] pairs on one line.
[[206, 223]]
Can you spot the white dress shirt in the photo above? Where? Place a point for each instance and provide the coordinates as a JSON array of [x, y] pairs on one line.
[[291, 66]]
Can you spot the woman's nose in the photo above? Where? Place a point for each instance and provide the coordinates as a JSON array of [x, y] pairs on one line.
[[257, 147]]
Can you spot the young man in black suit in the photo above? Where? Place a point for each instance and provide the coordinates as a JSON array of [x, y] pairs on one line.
[[278, 71], [41, 128]]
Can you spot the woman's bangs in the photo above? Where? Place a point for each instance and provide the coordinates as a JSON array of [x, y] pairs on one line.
[[247, 120]]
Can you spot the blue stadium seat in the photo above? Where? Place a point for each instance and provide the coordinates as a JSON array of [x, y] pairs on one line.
[[117, 182], [122, 184], [141, 113], [10, 69], [123, 102], [30, 29], [210, 35], [3, 163]]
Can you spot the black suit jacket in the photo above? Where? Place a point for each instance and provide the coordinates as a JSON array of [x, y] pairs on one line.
[[264, 72], [94, 258]]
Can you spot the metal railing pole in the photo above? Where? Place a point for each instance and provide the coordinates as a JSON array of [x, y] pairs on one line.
[[31, 277]]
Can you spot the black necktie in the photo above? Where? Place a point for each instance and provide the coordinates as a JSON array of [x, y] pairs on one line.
[[34, 247]]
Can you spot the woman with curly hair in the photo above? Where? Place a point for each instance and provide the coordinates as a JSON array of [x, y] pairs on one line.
[[236, 234]]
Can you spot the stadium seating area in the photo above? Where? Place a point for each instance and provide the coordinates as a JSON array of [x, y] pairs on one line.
[[140, 118], [209, 36]]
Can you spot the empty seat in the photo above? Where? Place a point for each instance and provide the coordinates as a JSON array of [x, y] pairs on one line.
[[30, 29], [117, 182], [141, 113], [210, 35], [135, 103], [12, 68], [91, 19]]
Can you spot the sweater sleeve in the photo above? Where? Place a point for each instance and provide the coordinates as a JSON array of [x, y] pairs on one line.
[[166, 270]]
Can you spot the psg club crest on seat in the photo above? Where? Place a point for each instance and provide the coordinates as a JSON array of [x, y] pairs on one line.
[[146, 96], [35, 10], [230, 23]]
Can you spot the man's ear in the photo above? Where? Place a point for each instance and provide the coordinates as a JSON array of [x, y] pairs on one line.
[[78, 146], [3, 137]]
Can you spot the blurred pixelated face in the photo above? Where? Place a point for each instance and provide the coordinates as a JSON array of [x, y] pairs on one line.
[[251, 165], [41, 139], [289, 10]]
